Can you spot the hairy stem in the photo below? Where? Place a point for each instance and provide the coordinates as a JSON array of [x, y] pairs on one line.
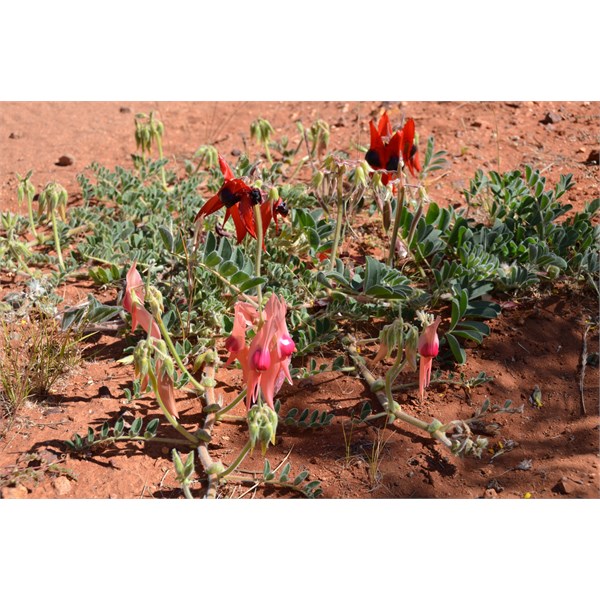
[[236, 463], [57, 241], [339, 219], [174, 353], [172, 420], [259, 246], [398, 413], [396, 225]]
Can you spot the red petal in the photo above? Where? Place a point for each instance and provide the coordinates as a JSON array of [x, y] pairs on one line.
[[408, 136], [210, 206], [384, 127], [247, 214], [240, 228], [225, 169]]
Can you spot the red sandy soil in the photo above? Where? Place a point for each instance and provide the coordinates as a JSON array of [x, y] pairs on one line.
[[537, 342]]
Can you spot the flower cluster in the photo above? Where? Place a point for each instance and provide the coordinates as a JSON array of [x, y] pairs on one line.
[[265, 361], [240, 199], [385, 155]]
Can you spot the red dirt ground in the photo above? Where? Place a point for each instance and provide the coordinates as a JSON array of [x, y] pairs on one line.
[[537, 342]]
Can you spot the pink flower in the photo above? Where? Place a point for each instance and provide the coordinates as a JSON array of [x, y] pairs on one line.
[[265, 362], [428, 347], [133, 303]]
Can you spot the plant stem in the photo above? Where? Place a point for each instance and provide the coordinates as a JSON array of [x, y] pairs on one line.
[[57, 241], [268, 152], [339, 219], [31, 221], [172, 420], [236, 463], [396, 225], [174, 353], [438, 435], [224, 280], [259, 246], [162, 167]]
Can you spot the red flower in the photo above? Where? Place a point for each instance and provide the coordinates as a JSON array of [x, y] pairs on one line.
[[271, 210], [239, 199], [428, 348], [385, 155]]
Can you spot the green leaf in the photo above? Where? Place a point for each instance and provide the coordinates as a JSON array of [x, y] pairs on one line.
[[373, 274], [118, 427], [285, 473], [212, 260], [459, 354], [136, 427], [151, 429], [266, 468], [252, 283], [300, 478]]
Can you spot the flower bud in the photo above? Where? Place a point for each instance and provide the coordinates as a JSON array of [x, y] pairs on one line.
[[273, 194], [262, 425], [234, 343], [286, 345], [429, 343], [261, 359], [155, 301]]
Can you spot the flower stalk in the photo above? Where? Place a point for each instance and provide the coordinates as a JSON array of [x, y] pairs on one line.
[[339, 218]]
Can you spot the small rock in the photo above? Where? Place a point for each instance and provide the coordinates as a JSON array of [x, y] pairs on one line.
[[124, 109], [495, 485], [514, 104], [15, 135], [65, 161], [62, 485], [580, 150], [476, 124], [14, 493], [491, 493], [593, 158], [313, 460], [236, 152], [551, 117], [564, 486]]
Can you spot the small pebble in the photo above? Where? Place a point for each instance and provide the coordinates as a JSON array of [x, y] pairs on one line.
[[65, 160], [235, 152], [62, 485], [124, 109], [15, 135], [564, 487], [14, 493], [490, 493], [551, 117]]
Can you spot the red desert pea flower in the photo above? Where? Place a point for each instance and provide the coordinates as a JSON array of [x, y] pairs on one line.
[[428, 348], [239, 199], [265, 362], [385, 155]]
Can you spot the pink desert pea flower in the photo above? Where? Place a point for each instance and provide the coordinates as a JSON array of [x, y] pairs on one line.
[[133, 303], [428, 348], [265, 362]]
